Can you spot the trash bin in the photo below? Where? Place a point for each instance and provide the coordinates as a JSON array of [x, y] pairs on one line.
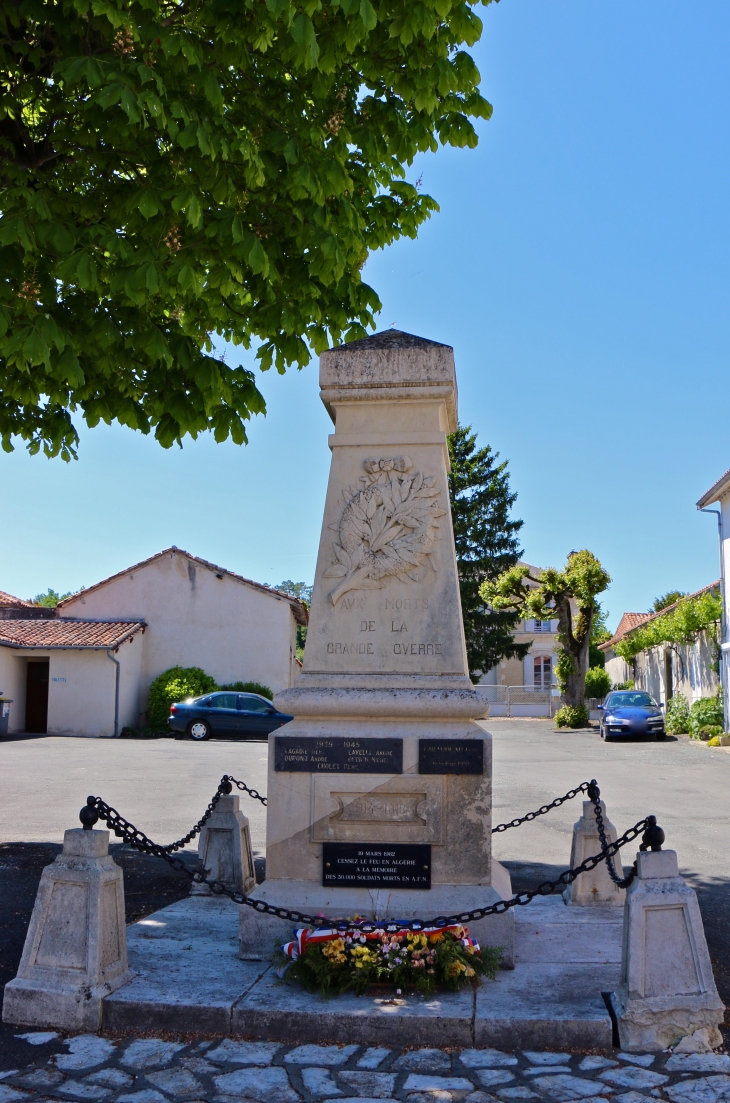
[[5, 703]]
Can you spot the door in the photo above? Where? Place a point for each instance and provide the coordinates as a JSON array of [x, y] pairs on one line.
[[36, 697], [222, 715], [256, 717]]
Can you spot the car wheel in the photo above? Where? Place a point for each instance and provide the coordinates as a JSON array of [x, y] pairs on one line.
[[605, 736], [199, 730]]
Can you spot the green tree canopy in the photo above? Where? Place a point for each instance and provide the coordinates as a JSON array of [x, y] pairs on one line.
[[50, 599], [486, 545], [176, 170], [669, 598], [570, 595]]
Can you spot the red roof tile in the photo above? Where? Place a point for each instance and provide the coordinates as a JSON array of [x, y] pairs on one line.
[[67, 633], [299, 609], [7, 601]]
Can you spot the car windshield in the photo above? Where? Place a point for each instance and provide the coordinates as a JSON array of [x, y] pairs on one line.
[[630, 700]]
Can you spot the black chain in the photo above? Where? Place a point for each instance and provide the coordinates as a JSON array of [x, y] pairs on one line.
[[245, 789], [96, 809], [653, 837], [583, 788]]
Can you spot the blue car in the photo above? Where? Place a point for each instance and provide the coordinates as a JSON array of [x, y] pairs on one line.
[[631, 712], [227, 714]]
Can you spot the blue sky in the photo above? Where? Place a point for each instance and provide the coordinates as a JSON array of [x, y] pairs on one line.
[[580, 268]]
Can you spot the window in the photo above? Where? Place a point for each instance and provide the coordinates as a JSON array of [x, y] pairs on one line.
[[223, 701], [542, 671], [539, 625], [252, 704]]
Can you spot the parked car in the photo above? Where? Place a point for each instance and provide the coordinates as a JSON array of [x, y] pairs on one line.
[[227, 714], [631, 712]]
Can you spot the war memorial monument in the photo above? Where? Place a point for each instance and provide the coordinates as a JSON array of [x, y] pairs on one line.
[[380, 789]]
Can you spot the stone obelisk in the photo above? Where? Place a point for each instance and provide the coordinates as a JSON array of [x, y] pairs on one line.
[[379, 790]]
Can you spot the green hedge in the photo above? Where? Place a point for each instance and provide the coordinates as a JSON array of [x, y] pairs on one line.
[[173, 685], [572, 716], [677, 722], [707, 712], [598, 682], [250, 687]]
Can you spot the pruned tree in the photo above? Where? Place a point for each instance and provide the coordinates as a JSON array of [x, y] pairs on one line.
[[568, 595], [486, 541], [174, 171]]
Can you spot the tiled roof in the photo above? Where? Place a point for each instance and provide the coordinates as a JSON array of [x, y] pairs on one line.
[[67, 633], [7, 601], [299, 609], [630, 621], [716, 491]]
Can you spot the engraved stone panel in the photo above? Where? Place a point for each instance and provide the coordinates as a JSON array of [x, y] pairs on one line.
[[63, 941], [668, 926], [368, 809], [451, 756], [336, 754], [109, 925]]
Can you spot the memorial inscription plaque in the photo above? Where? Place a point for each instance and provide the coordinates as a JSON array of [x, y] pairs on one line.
[[338, 754], [451, 756], [369, 865]]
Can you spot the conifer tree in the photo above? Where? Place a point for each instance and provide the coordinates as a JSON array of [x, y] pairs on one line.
[[486, 546]]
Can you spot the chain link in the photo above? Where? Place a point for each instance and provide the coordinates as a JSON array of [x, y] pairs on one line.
[[582, 788], [96, 809], [245, 789]]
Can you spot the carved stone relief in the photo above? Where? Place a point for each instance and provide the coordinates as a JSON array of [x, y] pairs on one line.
[[360, 809], [387, 528]]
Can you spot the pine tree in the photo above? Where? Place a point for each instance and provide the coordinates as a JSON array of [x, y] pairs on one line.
[[486, 546]]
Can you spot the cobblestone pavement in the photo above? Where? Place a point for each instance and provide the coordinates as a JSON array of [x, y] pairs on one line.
[[93, 1069]]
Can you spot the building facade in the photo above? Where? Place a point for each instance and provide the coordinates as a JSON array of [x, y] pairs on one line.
[[87, 671]]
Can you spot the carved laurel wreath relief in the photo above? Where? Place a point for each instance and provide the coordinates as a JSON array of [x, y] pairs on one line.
[[387, 528]]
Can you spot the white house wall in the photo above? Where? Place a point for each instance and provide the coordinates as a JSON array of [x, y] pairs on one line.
[[233, 631], [12, 684]]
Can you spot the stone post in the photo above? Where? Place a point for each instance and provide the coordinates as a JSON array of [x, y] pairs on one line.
[[594, 888], [380, 788], [75, 950], [225, 849], [667, 990]]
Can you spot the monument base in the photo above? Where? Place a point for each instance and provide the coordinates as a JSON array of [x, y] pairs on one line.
[[260, 935]]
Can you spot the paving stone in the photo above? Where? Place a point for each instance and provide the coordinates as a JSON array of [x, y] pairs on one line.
[[39, 1037], [8, 1072], [538, 1057], [373, 1057], [85, 1051], [41, 1079], [643, 1059], [543, 1070], [198, 1065], [147, 1095], [480, 1097], [377, 1085], [149, 1053], [591, 1064], [110, 1078], [633, 1078], [423, 1060], [706, 1089], [328, 1056], [80, 1089], [698, 1062], [486, 1058], [266, 1085], [320, 1083], [490, 1078], [178, 1082], [634, 1097], [11, 1095], [368, 1099], [518, 1092], [420, 1083], [565, 1087], [431, 1097], [243, 1053]]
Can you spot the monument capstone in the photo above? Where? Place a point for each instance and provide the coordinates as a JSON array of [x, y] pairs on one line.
[[379, 789]]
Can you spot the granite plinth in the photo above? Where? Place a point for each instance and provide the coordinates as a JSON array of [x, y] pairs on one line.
[[189, 978]]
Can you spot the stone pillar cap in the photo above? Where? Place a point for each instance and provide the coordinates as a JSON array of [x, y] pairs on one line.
[[657, 863], [80, 843]]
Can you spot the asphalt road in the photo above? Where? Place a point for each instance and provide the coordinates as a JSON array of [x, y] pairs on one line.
[[164, 785]]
